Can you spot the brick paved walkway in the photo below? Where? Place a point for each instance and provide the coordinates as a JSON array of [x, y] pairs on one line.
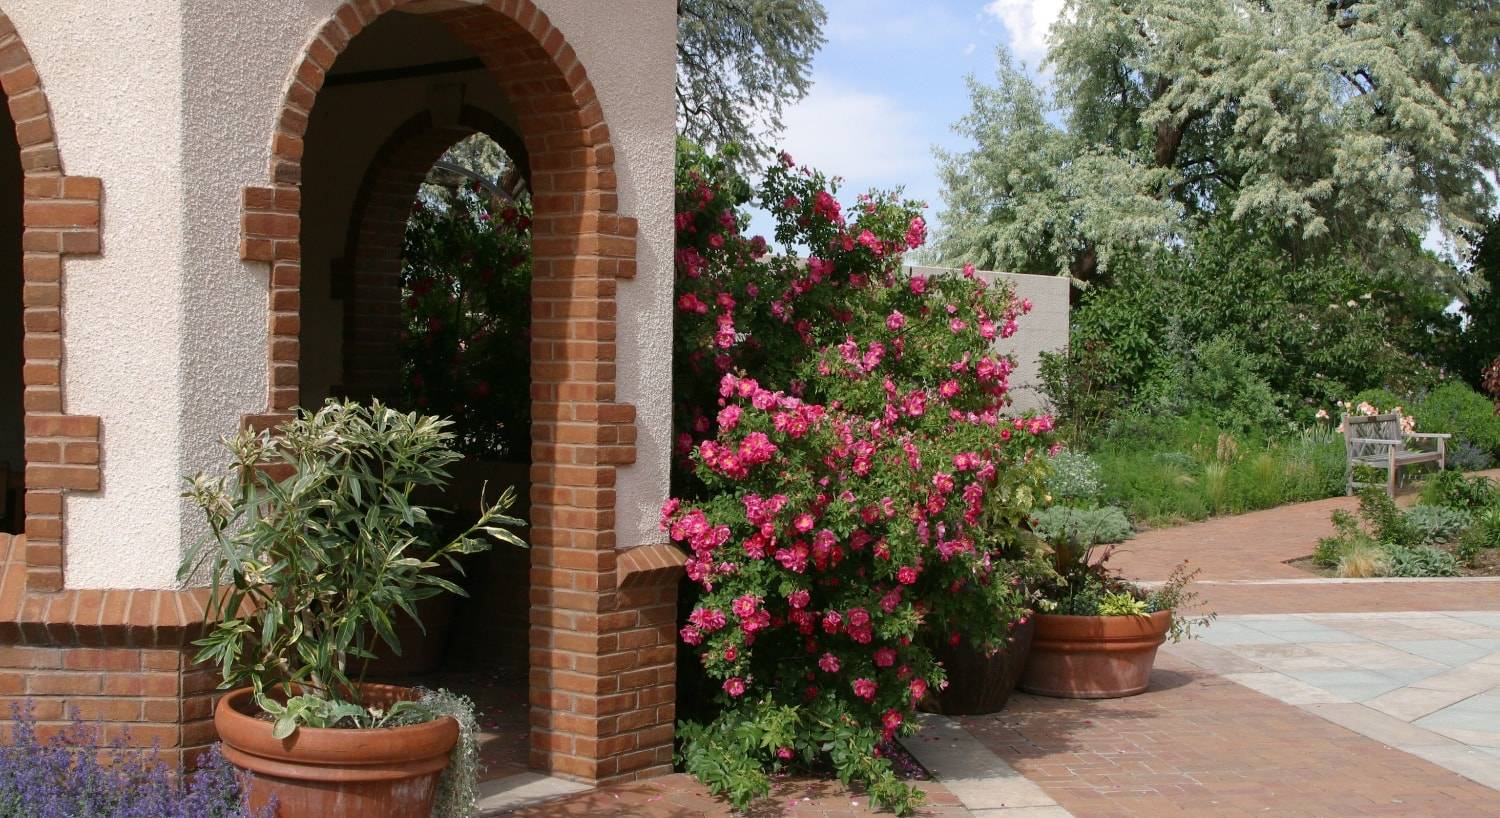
[[678, 796], [1197, 745]]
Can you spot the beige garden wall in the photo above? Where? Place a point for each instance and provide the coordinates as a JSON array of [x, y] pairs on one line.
[[172, 103]]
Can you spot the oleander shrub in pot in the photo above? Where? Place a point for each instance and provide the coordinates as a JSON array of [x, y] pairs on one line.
[[315, 544], [856, 489]]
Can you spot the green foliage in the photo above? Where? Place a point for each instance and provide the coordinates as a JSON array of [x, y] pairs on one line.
[[1121, 604], [456, 790], [466, 290], [1165, 471], [1353, 124], [727, 754], [308, 570], [1084, 526], [1451, 489], [739, 64], [1455, 408], [1384, 542], [1074, 478], [1435, 524], [1480, 345], [1483, 534], [1421, 561], [1232, 327]]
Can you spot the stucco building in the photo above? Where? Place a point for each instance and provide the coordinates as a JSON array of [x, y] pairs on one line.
[[200, 214]]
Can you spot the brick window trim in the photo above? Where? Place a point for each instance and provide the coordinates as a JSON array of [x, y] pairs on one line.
[[61, 216], [603, 619]]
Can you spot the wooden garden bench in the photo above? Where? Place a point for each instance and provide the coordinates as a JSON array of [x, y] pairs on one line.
[[1378, 442]]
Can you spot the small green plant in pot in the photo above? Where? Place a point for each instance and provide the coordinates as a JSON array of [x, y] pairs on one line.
[[315, 544], [1097, 635]]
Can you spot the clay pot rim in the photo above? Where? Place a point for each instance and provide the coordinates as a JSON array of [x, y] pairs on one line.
[[1154, 617], [334, 746], [1070, 628]]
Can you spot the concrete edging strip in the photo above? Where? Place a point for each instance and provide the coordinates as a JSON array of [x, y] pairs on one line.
[[982, 781]]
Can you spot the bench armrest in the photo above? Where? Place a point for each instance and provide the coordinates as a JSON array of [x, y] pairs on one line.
[[1434, 435]]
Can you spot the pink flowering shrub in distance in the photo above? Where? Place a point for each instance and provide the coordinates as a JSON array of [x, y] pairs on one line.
[[851, 485]]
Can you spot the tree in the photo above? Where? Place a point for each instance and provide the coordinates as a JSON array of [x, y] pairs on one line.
[[1328, 124], [739, 63]]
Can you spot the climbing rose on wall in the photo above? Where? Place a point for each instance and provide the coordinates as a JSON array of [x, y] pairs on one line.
[[850, 482]]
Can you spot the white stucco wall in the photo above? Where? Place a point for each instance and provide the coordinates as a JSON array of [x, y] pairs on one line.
[[109, 70], [630, 49], [1044, 329], [173, 103]]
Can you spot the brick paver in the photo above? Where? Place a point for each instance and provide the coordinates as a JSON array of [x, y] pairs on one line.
[[679, 796], [1199, 745], [1256, 545]]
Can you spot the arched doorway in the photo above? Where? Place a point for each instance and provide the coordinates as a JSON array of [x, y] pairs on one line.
[[601, 642], [12, 333]]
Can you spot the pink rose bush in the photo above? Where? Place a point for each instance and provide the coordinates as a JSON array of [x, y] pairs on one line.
[[850, 480]]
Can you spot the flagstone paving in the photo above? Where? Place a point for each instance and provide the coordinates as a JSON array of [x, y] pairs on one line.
[[1426, 682]]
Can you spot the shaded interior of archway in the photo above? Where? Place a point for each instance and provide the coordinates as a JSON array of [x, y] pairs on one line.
[[403, 92], [12, 330]]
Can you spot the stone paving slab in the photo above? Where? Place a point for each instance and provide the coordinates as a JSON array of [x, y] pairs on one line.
[[1420, 681], [984, 783]]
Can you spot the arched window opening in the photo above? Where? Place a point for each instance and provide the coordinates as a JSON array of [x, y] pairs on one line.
[[12, 333]]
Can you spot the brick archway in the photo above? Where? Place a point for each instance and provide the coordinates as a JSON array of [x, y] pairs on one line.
[[369, 273], [602, 641], [60, 216]]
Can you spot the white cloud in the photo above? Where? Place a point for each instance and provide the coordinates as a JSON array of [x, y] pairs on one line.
[[969, 49], [1026, 25], [864, 136]]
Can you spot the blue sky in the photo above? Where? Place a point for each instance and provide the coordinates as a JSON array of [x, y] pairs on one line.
[[889, 84]]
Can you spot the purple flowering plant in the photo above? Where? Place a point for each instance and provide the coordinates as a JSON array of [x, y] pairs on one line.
[[64, 776], [852, 485]]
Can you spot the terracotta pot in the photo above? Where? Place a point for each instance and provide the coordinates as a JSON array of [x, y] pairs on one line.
[[388, 772], [979, 684], [1094, 657]]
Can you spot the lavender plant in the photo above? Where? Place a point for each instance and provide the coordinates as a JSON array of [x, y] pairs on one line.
[[66, 776]]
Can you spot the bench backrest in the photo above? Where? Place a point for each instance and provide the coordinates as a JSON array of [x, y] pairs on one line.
[[1372, 427]]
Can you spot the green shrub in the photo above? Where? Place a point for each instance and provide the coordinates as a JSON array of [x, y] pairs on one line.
[[1420, 561], [1083, 527], [1452, 489], [1457, 409], [1074, 478], [1483, 534], [1437, 524]]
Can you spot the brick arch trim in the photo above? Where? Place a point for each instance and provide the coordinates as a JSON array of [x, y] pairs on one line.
[[602, 679], [368, 276], [60, 216]]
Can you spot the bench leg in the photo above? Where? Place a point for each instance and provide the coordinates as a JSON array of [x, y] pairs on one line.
[[1390, 480]]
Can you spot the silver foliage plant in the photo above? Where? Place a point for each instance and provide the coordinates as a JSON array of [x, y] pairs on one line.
[[1348, 124], [316, 544]]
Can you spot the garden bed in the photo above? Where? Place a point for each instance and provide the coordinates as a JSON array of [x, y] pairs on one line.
[[1487, 564]]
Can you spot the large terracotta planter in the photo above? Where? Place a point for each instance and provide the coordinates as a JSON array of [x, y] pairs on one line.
[[331, 773], [1094, 657], [979, 684]]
